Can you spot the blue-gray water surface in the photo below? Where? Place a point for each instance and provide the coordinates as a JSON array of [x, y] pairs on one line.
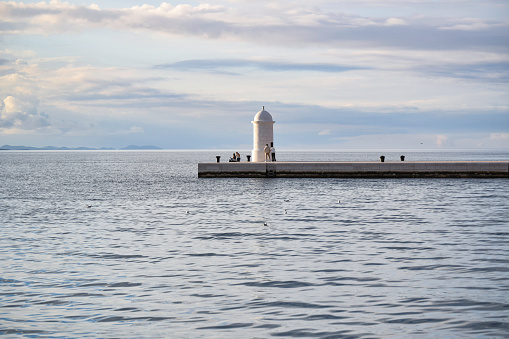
[[131, 244]]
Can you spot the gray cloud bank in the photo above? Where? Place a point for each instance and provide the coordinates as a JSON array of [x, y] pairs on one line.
[[224, 64], [290, 28], [485, 71]]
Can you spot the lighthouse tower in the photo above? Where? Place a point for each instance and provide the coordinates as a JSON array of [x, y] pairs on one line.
[[263, 134]]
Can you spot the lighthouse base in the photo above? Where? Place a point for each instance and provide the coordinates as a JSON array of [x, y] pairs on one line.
[[258, 156]]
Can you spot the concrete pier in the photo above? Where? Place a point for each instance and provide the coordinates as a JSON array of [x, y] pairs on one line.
[[404, 169]]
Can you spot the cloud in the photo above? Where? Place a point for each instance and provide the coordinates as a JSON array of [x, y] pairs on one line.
[[93, 100], [290, 27], [500, 136], [495, 70], [395, 22], [489, 71], [328, 94], [18, 113], [441, 140], [135, 129], [472, 24], [222, 64]]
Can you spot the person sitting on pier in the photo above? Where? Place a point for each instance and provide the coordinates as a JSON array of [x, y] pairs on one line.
[[233, 158]]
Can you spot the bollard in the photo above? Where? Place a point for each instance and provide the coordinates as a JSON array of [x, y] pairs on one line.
[[402, 158], [218, 157], [382, 158], [248, 158]]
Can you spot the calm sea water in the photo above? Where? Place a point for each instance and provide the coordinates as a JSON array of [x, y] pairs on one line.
[[134, 245]]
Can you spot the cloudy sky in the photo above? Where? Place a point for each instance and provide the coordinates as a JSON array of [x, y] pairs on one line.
[[363, 74]]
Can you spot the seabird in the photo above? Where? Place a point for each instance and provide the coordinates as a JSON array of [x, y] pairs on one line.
[[187, 212], [264, 224], [88, 206], [285, 211]]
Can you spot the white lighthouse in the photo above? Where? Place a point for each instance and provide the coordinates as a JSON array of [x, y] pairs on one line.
[[263, 134]]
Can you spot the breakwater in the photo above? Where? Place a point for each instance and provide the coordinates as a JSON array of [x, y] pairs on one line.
[[410, 169]]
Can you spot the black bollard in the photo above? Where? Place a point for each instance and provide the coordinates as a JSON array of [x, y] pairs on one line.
[[402, 158], [382, 158], [248, 158], [218, 157]]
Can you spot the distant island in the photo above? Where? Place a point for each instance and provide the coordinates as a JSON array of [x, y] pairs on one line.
[[53, 148], [134, 147]]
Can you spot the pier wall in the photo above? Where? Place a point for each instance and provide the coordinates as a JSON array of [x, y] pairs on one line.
[[410, 169]]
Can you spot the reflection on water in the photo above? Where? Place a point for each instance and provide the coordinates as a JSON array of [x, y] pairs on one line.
[[394, 258]]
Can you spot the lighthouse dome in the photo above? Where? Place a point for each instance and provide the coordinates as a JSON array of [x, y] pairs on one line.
[[263, 115]]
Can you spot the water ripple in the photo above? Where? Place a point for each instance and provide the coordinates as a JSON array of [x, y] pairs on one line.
[[412, 258]]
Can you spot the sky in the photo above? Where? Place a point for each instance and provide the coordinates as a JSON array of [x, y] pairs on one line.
[[338, 75]]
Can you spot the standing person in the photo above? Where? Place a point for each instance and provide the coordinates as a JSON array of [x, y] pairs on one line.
[[266, 149], [238, 156], [273, 151]]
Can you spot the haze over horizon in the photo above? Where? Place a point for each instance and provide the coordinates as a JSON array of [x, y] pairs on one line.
[[363, 74]]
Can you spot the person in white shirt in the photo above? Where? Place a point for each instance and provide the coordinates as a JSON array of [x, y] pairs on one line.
[[266, 149]]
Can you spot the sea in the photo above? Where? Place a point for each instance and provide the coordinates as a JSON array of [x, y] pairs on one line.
[[132, 244]]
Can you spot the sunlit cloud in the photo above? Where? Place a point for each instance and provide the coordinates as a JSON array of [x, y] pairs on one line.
[[20, 115], [441, 140]]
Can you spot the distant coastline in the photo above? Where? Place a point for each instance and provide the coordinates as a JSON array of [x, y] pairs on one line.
[[53, 148]]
